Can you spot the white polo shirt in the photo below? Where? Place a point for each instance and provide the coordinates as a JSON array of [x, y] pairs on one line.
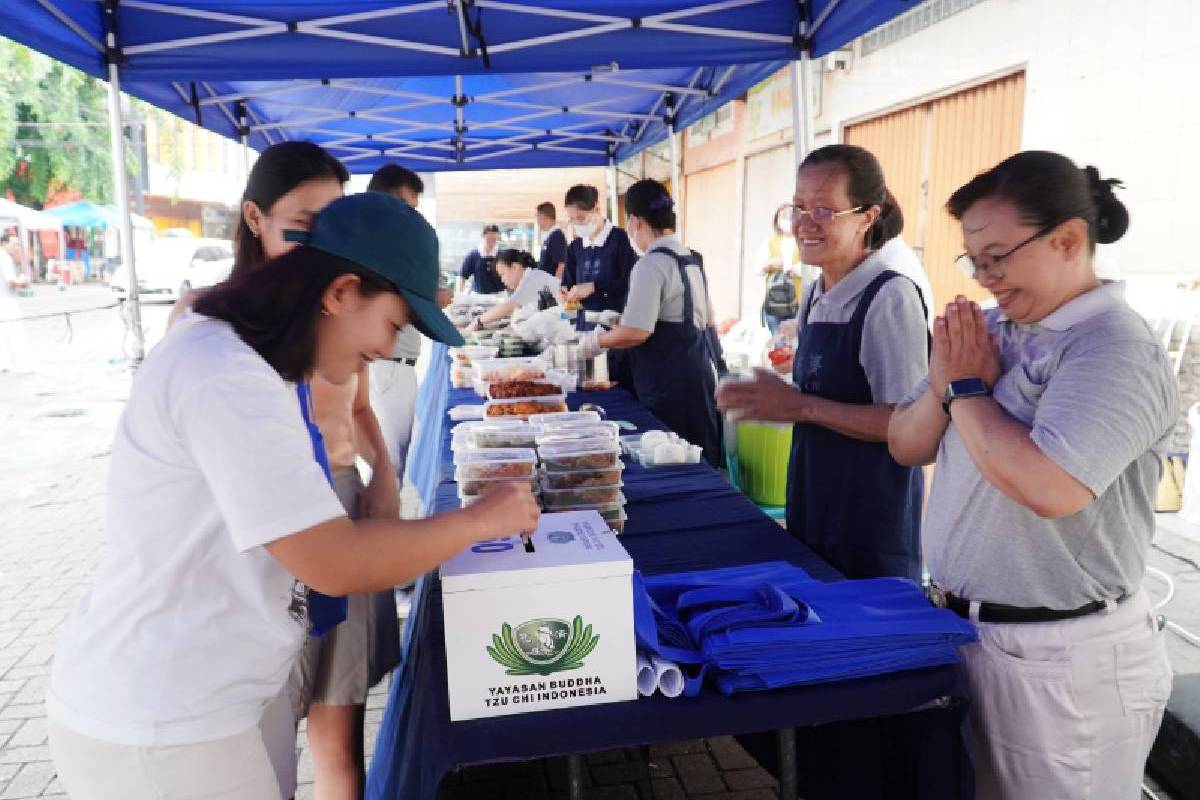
[[192, 626]]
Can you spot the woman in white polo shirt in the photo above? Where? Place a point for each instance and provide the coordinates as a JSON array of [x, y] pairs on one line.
[[524, 281], [1047, 417], [220, 504]]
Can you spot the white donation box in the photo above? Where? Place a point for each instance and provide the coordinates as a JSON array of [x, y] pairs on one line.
[[543, 625]]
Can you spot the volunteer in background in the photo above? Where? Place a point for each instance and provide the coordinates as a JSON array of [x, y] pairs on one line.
[[394, 379], [217, 507], [553, 258], [779, 256], [480, 264], [664, 324], [523, 279], [596, 278], [15, 354], [863, 345], [1047, 417]]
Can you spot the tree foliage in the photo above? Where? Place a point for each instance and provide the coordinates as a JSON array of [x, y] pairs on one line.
[[53, 129]]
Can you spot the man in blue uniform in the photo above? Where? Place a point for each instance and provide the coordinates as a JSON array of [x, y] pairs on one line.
[[553, 258]]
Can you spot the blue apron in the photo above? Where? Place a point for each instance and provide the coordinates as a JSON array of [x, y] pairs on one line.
[[848, 499], [673, 372], [324, 612]]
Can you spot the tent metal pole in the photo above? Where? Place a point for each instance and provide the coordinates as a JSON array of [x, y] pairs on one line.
[[612, 190], [801, 113], [676, 186], [121, 189]]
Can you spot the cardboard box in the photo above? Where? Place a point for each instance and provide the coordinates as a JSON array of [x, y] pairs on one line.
[[544, 627]]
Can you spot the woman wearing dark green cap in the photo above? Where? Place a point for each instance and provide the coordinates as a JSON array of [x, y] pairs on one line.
[[218, 511]]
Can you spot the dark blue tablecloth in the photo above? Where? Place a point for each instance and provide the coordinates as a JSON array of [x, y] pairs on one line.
[[680, 519]]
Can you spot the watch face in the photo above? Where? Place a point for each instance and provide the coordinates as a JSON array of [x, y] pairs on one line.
[[968, 386]]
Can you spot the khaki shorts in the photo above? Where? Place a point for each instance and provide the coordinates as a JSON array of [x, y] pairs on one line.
[[341, 667]]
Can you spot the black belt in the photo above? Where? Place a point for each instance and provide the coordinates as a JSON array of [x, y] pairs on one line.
[[412, 362], [998, 612]]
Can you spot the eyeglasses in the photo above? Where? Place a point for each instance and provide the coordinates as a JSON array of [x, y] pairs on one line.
[[819, 215], [973, 266]]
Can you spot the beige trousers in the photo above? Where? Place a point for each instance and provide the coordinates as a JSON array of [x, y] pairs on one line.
[[1067, 710]]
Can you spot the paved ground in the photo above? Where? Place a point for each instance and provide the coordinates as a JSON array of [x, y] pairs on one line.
[[55, 431]]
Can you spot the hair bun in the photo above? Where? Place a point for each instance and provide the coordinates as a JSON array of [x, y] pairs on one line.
[[1112, 218]]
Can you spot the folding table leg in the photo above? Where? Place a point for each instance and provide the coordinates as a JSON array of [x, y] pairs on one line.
[[575, 776], [788, 784]]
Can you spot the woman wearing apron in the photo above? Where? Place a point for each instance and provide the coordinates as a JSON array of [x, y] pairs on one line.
[[599, 260], [863, 346], [217, 508], [665, 322], [1048, 417]]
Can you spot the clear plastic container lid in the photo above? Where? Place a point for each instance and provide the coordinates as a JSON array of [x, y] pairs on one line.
[[566, 416], [516, 433], [578, 447], [574, 431], [573, 478], [474, 351], [522, 407], [496, 369], [583, 495], [510, 455], [604, 508], [470, 487]]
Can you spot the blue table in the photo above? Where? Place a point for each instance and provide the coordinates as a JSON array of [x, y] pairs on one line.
[[679, 519]]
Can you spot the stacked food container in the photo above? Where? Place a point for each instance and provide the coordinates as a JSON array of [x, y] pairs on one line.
[[581, 465], [477, 470]]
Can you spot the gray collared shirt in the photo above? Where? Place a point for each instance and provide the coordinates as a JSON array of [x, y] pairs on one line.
[[895, 343], [656, 289], [1094, 387]]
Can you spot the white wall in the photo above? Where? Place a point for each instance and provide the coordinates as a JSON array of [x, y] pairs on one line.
[[1108, 82]]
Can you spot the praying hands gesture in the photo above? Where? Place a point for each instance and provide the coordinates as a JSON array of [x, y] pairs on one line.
[[962, 347]]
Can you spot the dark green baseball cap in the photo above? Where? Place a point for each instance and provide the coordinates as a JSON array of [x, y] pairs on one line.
[[384, 235]]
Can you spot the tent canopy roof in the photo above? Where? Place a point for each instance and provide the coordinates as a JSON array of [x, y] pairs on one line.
[[29, 218], [444, 84], [86, 214]]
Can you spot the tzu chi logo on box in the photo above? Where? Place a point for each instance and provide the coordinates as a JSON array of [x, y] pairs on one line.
[[542, 646]]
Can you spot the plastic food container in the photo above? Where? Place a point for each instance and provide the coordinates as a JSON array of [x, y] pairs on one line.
[[573, 431], [496, 463], [503, 369], [558, 499], [508, 389], [586, 454], [514, 433], [469, 353], [477, 486], [546, 420], [574, 479], [524, 407], [612, 513]]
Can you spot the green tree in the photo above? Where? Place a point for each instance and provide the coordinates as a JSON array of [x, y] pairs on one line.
[[53, 129]]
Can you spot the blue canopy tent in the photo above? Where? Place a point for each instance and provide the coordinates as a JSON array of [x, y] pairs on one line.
[[441, 84]]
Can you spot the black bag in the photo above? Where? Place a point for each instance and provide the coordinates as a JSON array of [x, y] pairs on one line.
[[781, 302]]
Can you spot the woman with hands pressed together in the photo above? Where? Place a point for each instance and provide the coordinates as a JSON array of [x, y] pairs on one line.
[[1047, 417], [863, 345]]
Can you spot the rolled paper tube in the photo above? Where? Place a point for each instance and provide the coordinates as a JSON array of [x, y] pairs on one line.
[[670, 677], [647, 678]]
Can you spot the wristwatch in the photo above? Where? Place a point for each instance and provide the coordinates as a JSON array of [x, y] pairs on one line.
[[965, 387]]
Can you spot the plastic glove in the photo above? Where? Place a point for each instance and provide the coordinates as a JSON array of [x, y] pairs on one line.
[[589, 344]]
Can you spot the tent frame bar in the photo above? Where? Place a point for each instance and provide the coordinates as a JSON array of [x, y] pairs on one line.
[[70, 24], [116, 132], [600, 24]]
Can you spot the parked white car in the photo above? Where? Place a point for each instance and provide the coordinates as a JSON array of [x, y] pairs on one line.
[[168, 267]]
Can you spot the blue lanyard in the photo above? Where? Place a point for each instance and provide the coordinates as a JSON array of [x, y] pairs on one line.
[[324, 611]]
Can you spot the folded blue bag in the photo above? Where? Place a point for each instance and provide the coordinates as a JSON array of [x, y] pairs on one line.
[[770, 625]]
